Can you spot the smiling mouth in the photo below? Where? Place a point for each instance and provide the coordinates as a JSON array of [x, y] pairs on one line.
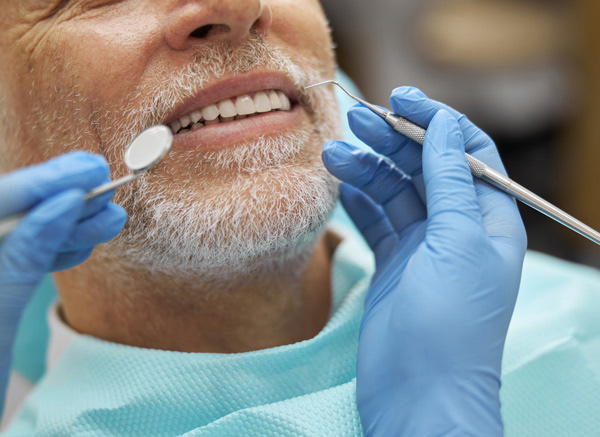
[[237, 108]]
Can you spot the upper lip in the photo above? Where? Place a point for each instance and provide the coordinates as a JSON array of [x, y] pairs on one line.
[[235, 86]]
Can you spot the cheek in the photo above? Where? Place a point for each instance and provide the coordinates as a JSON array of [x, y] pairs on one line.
[[302, 25], [82, 71], [108, 62]]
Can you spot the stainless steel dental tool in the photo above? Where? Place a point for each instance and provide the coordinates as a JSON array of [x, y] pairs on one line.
[[144, 152], [480, 170]]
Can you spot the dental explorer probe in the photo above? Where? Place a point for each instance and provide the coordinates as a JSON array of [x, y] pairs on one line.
[[480, 170]]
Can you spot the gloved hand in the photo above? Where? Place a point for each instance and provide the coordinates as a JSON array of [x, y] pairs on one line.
[[59, 232], [449, 253]]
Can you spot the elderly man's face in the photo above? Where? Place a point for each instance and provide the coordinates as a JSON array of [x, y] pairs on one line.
[[243, 180]]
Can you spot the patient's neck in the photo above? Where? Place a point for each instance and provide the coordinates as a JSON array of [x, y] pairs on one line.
[[129, 307]]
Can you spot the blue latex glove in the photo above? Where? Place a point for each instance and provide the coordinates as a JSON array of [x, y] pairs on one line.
[[59, 232], [449, 253]]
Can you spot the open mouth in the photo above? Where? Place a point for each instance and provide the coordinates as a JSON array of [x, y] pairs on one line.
[[237, 108]]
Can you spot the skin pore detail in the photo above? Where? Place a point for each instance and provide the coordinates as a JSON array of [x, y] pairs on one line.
[[225, 249]]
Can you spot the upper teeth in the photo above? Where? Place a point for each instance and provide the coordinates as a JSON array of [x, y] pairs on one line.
[[232, 109]]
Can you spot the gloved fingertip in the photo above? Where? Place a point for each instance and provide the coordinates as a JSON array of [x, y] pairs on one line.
[[371, 129], [356, 115], [345, 161], [118, 218], [71, 259], [439, 125], [102, 199], [444, 133], [407, 93], [97, 229], [96, 204], [83, 255], [330, 145], [333, 150], [351, 116], [79, 168], [347, 190], [328, 150]]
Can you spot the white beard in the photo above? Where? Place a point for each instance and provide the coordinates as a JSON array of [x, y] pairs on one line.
[[256, 222]]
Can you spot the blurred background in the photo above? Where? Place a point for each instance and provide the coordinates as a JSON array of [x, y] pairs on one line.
[[525, 71]]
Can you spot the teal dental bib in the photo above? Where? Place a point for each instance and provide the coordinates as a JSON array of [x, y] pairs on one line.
[[306, 388]]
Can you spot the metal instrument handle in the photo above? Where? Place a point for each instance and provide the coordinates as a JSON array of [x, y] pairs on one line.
[[498, 180], [9, 223]]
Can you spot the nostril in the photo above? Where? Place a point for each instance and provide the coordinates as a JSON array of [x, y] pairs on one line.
[[210, 30], [201, 32]]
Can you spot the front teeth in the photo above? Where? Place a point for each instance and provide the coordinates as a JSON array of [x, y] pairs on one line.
[[210, 112], [229, 110], [196, 116], [244, 105], [261, 102]]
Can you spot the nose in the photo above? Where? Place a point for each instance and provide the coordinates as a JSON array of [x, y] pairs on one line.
[[191, 22]]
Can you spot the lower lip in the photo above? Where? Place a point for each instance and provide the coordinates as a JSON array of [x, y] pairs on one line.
[[222, 135]]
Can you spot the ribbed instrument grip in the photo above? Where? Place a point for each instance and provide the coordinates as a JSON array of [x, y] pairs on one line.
[[477, 167], [407, 128], [417, 133]]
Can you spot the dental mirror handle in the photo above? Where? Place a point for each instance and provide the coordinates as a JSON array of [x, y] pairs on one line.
[[9, 223], [498, 180], [98, 191]]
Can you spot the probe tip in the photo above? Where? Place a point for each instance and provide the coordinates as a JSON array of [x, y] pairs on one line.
[[327, 82]]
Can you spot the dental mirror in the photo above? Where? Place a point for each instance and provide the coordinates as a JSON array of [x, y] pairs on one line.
[[144, 152], [148, 148]]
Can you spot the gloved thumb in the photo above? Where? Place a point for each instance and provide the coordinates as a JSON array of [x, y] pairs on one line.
[[452, 207]]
